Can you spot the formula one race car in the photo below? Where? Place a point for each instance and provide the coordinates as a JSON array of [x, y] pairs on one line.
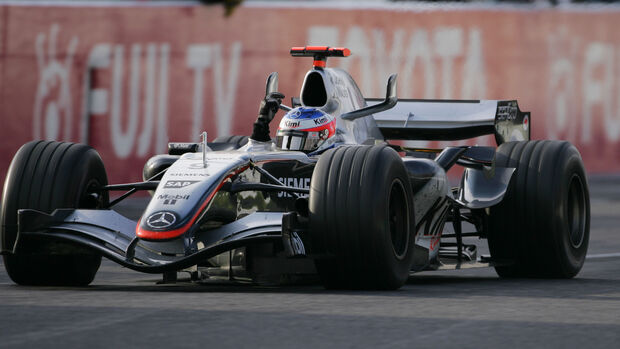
[[330, 196]]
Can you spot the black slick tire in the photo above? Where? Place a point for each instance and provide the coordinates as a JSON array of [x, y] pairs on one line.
[[542, 226], [46, 175], [361, 218]]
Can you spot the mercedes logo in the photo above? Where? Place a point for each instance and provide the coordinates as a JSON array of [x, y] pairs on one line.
[[161, 220]]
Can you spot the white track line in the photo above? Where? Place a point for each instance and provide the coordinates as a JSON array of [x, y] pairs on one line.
[[603, 255]]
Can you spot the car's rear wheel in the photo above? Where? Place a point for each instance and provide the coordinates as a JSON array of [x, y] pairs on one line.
[[46, 175], [362, 218], [542, 226]]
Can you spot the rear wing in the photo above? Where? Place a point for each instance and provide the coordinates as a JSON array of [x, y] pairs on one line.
[[425, 119]]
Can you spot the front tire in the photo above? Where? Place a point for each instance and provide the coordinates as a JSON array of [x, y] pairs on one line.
[[362, 218], [46, 175], [542, 226]]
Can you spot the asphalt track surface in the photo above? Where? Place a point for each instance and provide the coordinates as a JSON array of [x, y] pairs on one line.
[[456, 309]]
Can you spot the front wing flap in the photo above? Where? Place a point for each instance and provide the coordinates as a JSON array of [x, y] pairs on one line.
[[113, 235]]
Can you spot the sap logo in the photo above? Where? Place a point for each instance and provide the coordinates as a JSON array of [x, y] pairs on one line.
[[291, 124], [178, 184], [294, 182], [320, 121]]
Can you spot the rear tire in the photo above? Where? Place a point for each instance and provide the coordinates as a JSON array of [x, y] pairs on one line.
[[543, 223], [361, 218], [44, 176]]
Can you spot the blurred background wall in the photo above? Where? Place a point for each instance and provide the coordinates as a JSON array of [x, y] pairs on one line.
[[129, 76]]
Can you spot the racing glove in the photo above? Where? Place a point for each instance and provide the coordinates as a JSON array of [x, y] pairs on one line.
[[267, 110]]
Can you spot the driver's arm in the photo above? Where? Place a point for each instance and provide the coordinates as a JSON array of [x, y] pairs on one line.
[[267, 110]]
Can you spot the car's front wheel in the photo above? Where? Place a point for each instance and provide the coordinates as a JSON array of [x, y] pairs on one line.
[[361, 218], [46, 175]]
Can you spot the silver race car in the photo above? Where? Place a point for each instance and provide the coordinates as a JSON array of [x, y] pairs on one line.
[[329, 196]]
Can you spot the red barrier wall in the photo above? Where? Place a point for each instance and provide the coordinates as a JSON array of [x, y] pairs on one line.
[[145, 75]]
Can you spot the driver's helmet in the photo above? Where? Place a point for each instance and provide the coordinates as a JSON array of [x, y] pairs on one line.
[[305, 129]]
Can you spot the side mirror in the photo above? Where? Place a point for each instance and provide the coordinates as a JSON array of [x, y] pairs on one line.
[[272, 86], [388, 103], [272, 83]]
